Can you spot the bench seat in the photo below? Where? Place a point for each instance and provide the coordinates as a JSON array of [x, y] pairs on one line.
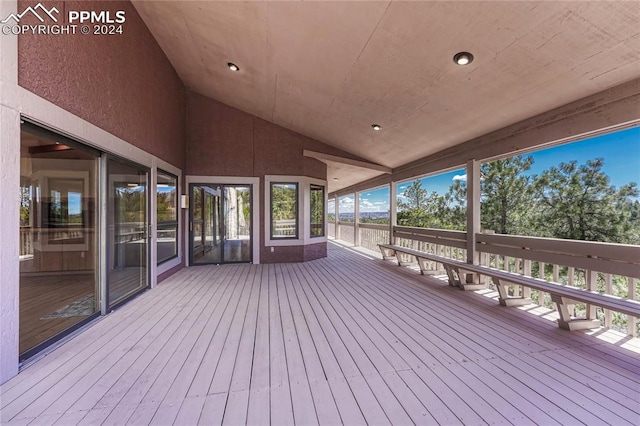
[[562, 295]]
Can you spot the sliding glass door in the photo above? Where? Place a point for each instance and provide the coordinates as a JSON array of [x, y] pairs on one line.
[[220, 224], [58, 237], [128, 230]]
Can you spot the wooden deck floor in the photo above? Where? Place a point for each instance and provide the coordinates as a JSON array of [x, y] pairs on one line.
[[345, 339]]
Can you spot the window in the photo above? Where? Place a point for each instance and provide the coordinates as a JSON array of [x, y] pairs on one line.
[[284, 211], [167, 213], [317, 211]]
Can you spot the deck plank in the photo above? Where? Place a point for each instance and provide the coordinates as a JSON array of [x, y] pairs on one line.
[[347, 339]]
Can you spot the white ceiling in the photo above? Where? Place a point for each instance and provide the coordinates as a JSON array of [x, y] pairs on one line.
[[329, 70]]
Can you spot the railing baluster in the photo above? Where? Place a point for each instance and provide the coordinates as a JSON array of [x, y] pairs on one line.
[[541, 275], [608, 289], [590, 278], [571, 276], [632, 330], [526, 271]]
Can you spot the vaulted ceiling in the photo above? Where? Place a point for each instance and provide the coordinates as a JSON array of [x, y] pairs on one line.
[[329, 70]]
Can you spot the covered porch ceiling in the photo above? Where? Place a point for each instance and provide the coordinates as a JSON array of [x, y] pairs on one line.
[[329, 70]]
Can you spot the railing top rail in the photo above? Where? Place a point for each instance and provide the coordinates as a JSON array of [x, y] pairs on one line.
[[587, 249], [430, 232], [374, 226]]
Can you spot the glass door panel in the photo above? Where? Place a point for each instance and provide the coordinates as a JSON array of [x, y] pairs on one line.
[[127, 254], [237, 220], [220, 224], [206, 235], [58, 237]]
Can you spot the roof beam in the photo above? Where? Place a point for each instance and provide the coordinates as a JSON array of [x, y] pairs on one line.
[[348, 161]]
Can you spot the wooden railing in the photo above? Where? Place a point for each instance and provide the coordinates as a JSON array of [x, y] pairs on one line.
[[346, 230], [332, 229], [608, 268], [372, 234], [604, 267], [449, 244]]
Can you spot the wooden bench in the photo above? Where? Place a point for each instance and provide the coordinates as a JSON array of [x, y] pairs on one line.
[[561, 295]]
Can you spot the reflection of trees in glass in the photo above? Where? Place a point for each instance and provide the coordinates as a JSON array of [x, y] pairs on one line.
[[25, 201], [317, 211], [244, 196], [197, 203], [131, 203], [166, 205], [284, 210], [284, 200]]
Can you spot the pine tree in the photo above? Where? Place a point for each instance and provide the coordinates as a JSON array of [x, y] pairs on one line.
[[578, 203]]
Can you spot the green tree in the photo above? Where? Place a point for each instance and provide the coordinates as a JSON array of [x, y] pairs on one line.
[[578, 203], [415, 196], [505, 194], [505, 197], [430, 210], [416, 206]]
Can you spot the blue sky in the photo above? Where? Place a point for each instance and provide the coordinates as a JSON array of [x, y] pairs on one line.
[[620, 150]]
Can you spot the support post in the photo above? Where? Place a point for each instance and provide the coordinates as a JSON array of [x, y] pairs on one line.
[[336, 206], [473, 210], [472, 281], [356, 218], [393, 210]]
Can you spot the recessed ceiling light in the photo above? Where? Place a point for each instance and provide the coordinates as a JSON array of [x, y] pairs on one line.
[[335, 178], [376, 127], [463, 58], [233, 67]]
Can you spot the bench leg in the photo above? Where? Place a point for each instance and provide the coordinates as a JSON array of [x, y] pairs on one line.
[[387, 254], [568, 322], [402, 262], [453, 281], [470, 281], [426, 267], [505, 299]]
